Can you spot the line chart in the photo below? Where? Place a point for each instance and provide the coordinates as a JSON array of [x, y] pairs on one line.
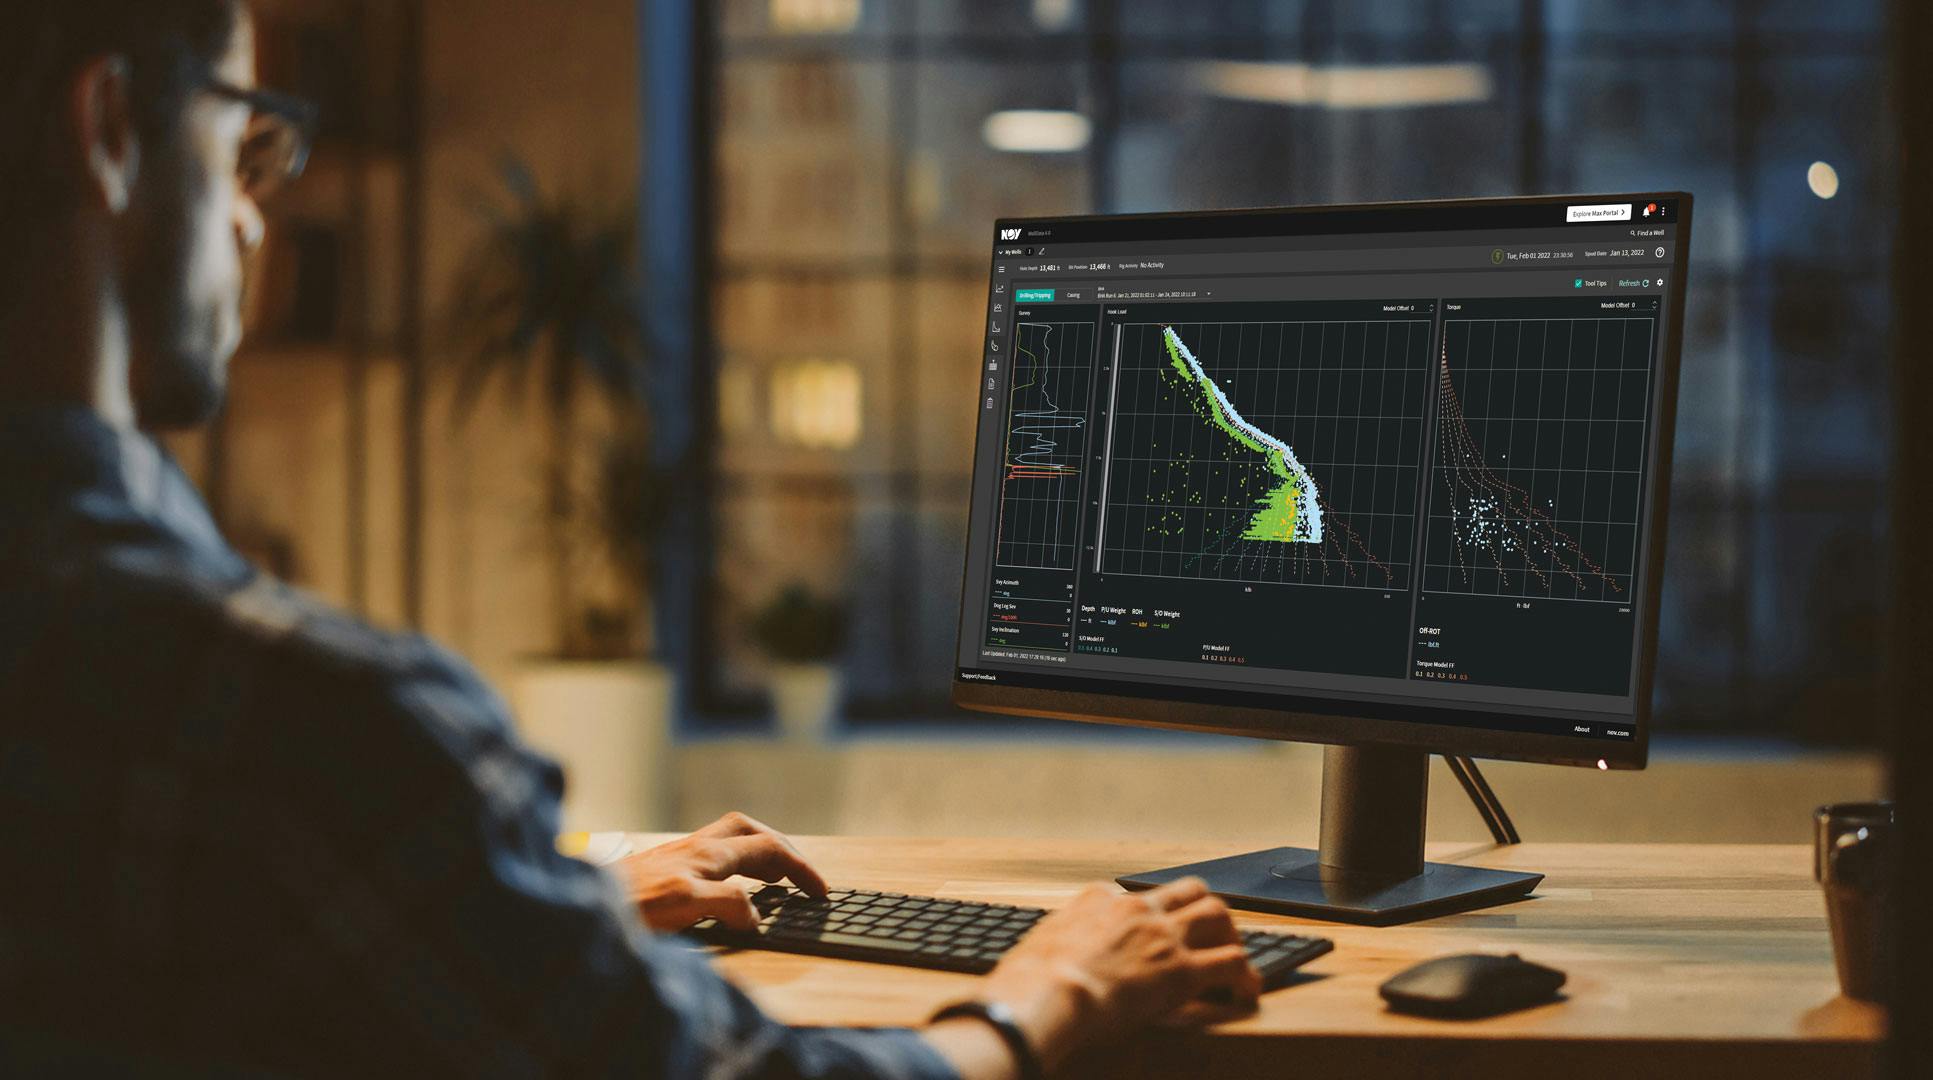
[[1046, 440]]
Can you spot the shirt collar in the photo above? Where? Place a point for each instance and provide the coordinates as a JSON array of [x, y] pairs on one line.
[[73, 456]]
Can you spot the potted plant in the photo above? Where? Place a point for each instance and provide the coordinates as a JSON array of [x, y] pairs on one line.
[[803, 635], [548, 303]]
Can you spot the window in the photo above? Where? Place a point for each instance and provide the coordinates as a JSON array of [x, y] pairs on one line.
[[859, 163]]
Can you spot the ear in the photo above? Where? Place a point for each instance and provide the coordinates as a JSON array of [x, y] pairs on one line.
[[101, 120]]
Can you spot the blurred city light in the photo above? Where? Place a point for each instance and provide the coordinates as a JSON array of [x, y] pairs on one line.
[[815, 404], [1823, 179], [1055, 14]]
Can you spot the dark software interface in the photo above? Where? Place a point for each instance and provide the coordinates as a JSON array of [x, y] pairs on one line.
[[1395, 455]]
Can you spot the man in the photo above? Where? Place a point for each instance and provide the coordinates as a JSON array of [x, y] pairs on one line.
[[244, 833]]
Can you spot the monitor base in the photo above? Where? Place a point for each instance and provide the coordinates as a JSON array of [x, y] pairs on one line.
[[1370, 866], [1292, 881]]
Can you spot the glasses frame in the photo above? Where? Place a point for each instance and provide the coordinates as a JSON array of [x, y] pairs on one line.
[[298, 115]]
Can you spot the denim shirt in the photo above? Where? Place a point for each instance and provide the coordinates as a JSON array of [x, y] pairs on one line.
[[244, 834]]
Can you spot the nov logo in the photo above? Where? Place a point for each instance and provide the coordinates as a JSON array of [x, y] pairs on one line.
[[1009, 234]]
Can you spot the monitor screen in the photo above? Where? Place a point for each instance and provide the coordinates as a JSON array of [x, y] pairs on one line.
[[1325, 473]]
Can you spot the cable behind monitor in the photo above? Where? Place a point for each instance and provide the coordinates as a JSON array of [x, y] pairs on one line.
[[1489, 807]]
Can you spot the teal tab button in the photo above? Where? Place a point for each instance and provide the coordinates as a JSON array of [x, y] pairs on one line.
[[1034, 296]]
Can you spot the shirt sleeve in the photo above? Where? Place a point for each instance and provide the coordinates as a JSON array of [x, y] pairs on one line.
[[418, 834]]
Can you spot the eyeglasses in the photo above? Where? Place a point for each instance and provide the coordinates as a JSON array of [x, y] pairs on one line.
[[280, 133]]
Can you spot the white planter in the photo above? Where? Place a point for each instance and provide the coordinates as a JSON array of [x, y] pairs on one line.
[[806, 699], [608, 723]]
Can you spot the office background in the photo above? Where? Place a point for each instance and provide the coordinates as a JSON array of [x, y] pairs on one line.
[[813, 183]]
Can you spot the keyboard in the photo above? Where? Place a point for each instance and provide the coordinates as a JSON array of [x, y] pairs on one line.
[[930, 932]]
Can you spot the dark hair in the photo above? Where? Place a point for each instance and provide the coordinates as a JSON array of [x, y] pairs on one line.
[[43, 42]]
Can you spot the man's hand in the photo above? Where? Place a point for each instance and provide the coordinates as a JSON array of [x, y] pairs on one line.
[[1110, 961], [679, 883]]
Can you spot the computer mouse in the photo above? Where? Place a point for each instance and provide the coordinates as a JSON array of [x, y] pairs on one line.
[[1470, 985]]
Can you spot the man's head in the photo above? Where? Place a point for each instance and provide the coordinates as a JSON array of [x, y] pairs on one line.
[[120, 130]]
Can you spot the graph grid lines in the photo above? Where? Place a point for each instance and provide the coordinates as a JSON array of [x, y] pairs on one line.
[[1201, 484], [1539, 457]]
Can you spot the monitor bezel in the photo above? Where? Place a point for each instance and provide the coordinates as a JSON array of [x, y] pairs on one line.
[[1367, 723]]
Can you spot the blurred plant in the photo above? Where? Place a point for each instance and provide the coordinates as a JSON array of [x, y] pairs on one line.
[[621, 515], [798, 627], [549, 297]]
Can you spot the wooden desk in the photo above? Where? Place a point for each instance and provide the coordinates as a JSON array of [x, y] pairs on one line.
[[1684, 960]]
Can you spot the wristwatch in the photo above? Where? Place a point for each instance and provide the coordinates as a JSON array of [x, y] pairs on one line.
[[1001, 1019]]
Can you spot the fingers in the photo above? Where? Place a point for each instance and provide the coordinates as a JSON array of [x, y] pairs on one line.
[[723, 901], [1176, 894], [1206, 923], [1224, 967], [735, 827], [733, 824], [767, 857]]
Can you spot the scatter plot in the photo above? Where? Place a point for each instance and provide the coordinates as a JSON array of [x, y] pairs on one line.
[[1276, 452], [1536, 475]]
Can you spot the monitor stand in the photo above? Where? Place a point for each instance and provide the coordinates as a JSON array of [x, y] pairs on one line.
[[1370, 867]]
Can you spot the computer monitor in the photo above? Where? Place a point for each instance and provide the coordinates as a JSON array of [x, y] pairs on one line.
[[1390, 478]]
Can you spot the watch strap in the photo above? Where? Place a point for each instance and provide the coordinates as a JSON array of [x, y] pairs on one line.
[[1001, 1019]]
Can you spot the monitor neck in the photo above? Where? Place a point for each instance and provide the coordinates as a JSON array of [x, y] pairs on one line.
[[1374, 800]]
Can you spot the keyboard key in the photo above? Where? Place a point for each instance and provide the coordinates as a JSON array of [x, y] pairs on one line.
[[868, 942]]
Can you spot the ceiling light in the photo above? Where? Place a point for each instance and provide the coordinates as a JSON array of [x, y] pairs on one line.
[[1360, 86], [813, 16], [1036, 131]]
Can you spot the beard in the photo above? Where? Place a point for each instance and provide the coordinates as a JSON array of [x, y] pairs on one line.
[[179, 389]]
